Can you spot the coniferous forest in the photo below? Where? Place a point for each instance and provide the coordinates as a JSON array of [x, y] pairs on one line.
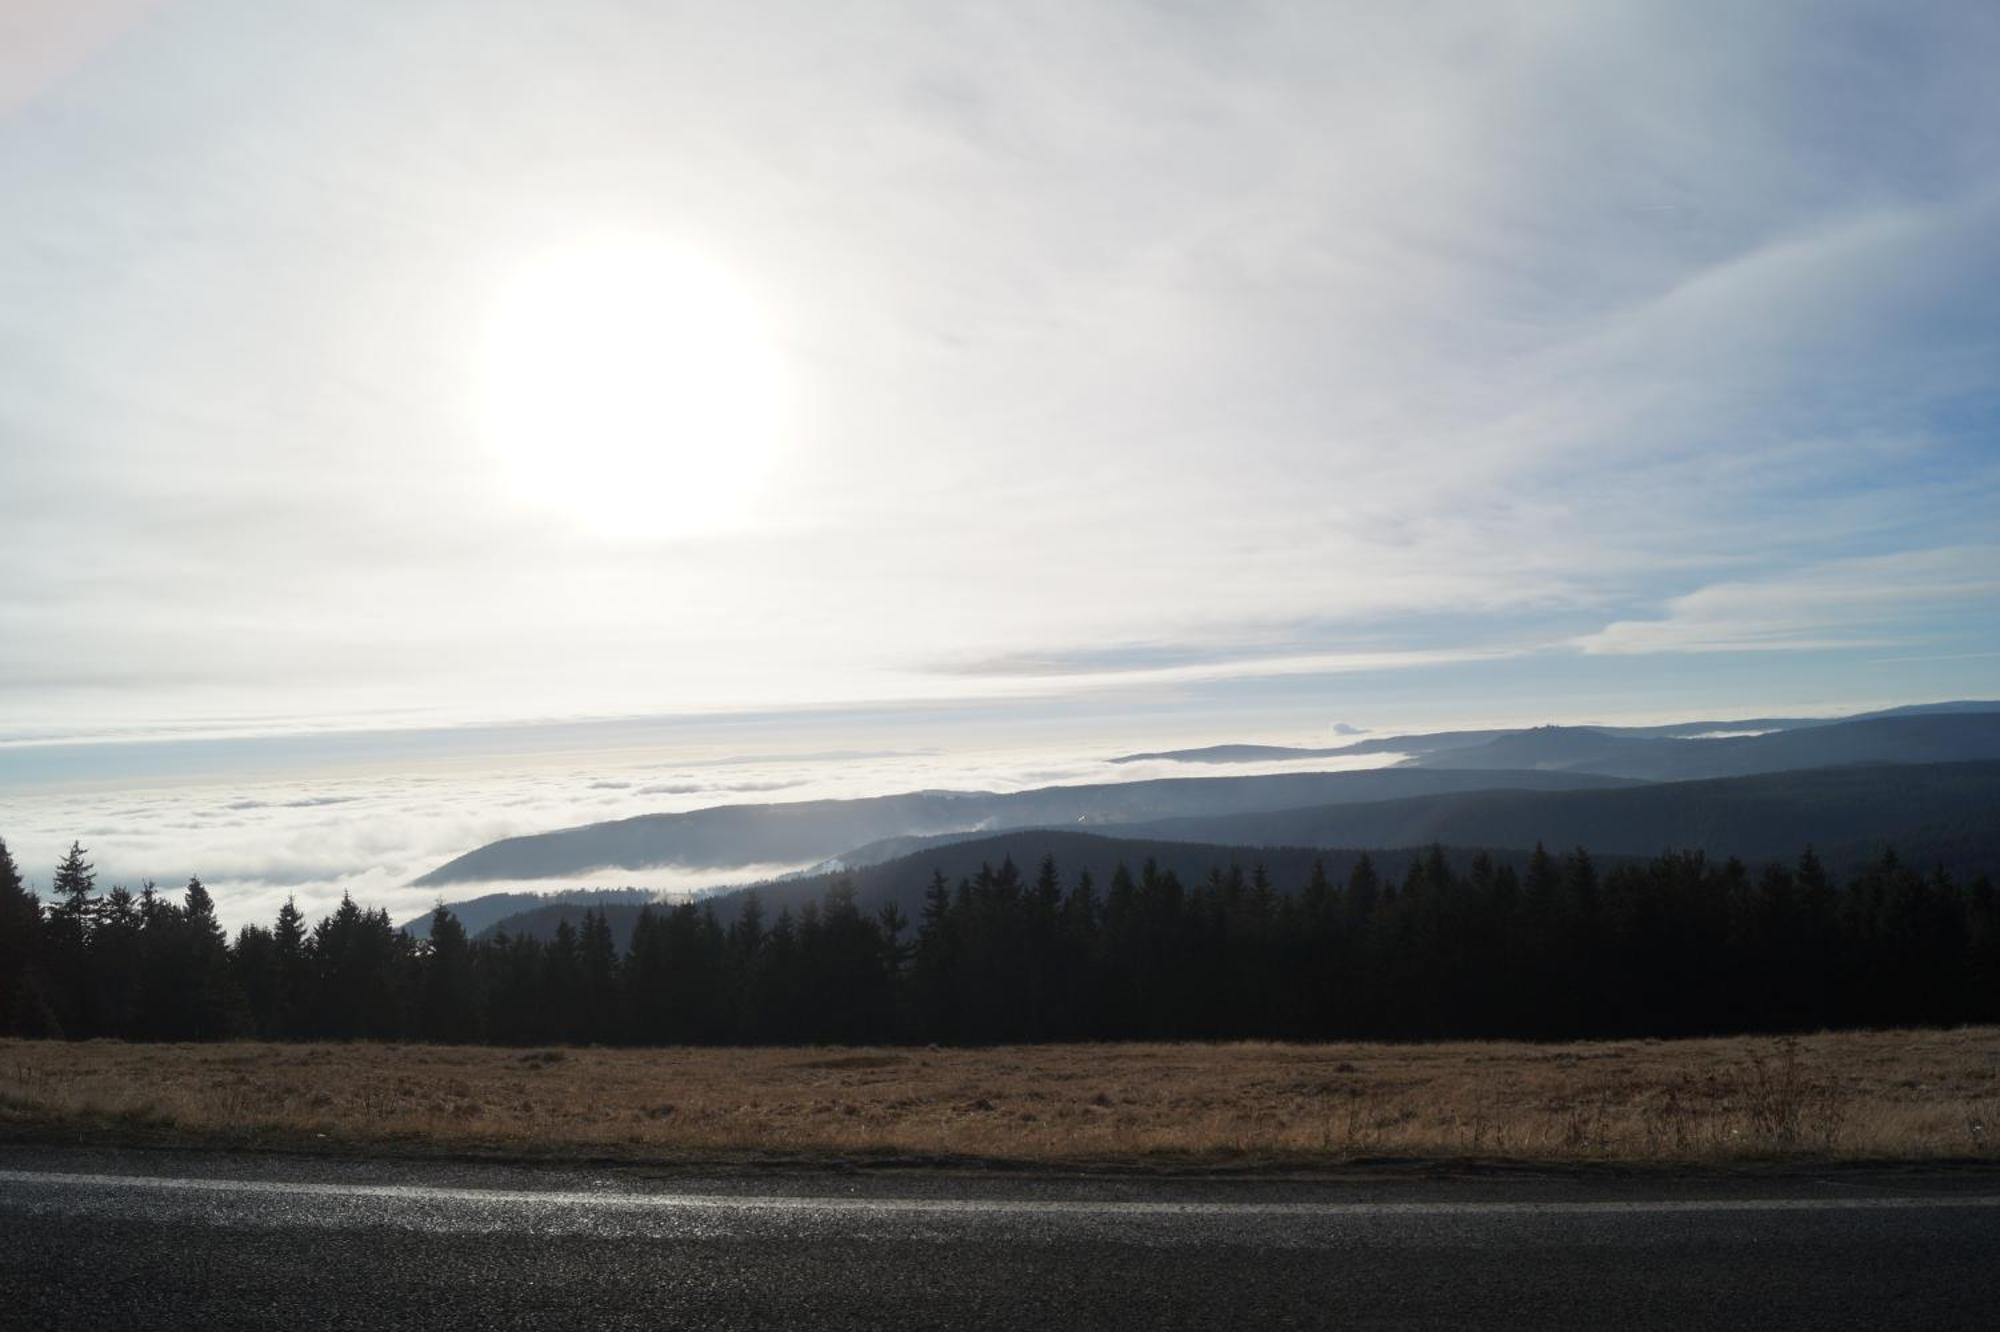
[[1679, 945]]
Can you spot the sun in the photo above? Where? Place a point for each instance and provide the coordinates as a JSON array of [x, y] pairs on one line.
[[632, 387]]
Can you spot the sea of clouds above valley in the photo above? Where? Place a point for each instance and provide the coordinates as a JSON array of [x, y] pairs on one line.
[[315, 837]]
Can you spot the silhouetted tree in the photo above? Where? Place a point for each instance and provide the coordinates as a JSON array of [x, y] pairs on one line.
[[117, 949], [72, 916], [1482, 946], [598, 1005], [25, 1009], [214, 1003], [291, 990], [254, 962], [449, 1008]]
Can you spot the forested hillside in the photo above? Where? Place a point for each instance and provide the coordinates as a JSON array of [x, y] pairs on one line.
[[479, 913], [1946, 813], [1549, 758], [726, 836], [901, 880], [1901, 738], [1562, 947], [1436, 743]]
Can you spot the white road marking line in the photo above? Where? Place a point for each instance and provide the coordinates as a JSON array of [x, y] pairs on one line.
[[978, 1206]]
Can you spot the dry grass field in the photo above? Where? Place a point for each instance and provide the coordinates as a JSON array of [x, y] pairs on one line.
[[1868, 1095]]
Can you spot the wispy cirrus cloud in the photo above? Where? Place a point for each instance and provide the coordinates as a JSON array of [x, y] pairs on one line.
[[1118, 335], [1158, 664], [1862, 602]]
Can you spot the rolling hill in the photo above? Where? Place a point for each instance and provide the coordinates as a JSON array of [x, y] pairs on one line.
[[1436, 743], [477, 913], [903, 880], [1944, 814], [1947, 813], [1470, 788], [1932, 737], [728, 836]]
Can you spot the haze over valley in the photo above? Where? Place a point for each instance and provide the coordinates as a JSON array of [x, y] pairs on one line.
[[402, 839]]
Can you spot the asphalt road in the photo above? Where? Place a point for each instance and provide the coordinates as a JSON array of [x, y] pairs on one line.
[[163, 1240]]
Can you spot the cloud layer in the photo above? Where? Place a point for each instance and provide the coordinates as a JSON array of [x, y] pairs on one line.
[[1130, 348], [368, 833]]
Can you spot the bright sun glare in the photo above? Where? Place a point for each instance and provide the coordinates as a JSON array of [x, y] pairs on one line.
[[633, 388]]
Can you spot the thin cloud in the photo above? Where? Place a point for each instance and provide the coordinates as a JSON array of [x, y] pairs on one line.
[[1119, 326], [1843, 604]]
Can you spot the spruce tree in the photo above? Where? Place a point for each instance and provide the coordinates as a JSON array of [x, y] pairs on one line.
[[71, 918], [597, 966], [213, 1005], [562, 985], [24, 1009], [253, 961], [116, 950], [448, 1006], [293, 978], [75, 881]]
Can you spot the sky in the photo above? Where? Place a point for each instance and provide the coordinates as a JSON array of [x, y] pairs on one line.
[[928, 375]]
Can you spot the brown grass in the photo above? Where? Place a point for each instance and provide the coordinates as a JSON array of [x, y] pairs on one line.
[[1864, 1095]]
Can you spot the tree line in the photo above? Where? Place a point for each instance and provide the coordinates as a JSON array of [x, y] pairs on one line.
[[1675, 946]]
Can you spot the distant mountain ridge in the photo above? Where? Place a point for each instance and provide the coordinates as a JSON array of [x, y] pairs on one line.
[[1433, 742], [727, 836], [902, 880], [1942, 815], [1392, 744], [1946, 813], [478, 913], [1908, 738], [866, 831]]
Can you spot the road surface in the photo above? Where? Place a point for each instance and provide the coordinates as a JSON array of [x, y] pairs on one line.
[[156, 1239]]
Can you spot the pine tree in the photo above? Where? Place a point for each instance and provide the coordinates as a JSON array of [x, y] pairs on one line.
[[75, 881], [1082, 999], [597, 959], [198, 909], [161, 982], [215, 1007], [24, 1007], [779, 981], [516, 1011], [358, 959], [253, 962], [746, 935], [291, 1000], [890, 922], [1041, 957], [116, 949], [933, 965], [71, 918], [448, 1007], [562, 985], [746, 946]]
